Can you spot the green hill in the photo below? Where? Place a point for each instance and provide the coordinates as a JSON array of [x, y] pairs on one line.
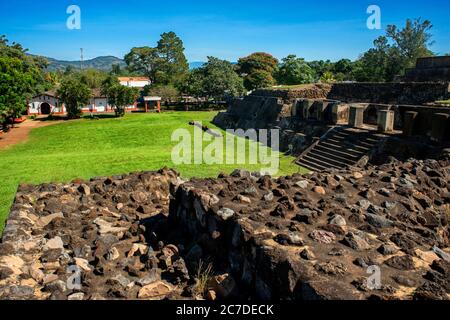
[[99, 63]]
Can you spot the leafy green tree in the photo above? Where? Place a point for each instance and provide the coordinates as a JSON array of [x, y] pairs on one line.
[[343, 70], [173, 62], [216, 79], [168, 93], [116, 70], [21, 77], [258, 70], [294, 71], [193, 83], [394, 53], [412, 41], [164, 64], [92, 78], [144, 61], [379, 64], [118, 96], [74, 94], [319, 67], [327, 77]]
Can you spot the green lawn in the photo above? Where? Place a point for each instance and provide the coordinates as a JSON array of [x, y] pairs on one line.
[[87, 148], [443, 101]]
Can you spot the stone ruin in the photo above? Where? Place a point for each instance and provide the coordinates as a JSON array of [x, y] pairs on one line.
[[367, 231], [430, 69], [150, 235], [307, 115]]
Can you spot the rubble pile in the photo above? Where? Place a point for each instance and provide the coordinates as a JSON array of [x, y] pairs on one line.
[[319, 236], [97, 226], [378, 233]]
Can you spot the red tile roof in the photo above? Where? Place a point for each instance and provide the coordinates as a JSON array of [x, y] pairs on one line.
[[134, 79]]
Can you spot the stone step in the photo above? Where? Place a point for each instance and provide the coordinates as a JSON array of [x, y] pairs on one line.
[[342, 147], [329, 155], [325, 164], [351, 151], [341, 152], [363, 141], [328, 159], [310, 165]]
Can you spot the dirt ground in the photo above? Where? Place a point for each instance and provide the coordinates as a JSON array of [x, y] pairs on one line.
[[20, 132]]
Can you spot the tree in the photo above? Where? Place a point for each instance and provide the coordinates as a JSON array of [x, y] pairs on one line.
[[118, 96], [116, 70], [394, 53], [412, 41], [193, 83], [327, 77], [319, 67], [168, 93], [258, 70], [21, 78], [74, 94], [343, 70], [91, 77], [215, 79], [164, 64], [173, 62], [380, 64], [143, 60], [294, 70]]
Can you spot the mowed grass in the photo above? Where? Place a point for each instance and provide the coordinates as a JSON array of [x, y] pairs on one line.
[[88, 148]]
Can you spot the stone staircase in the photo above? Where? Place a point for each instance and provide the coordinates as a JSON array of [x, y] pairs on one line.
[[339, 148]]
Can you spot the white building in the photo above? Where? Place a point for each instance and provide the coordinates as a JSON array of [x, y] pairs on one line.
[[49, 103], [135, 82], [45, 103]]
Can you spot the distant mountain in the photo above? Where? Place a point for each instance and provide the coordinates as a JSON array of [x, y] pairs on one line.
[[196, 64], [99, 63]]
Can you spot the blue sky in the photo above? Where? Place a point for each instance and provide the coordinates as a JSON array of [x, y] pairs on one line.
[[226, 29]]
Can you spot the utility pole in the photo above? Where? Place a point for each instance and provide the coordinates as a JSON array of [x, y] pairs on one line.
[[81, 61]]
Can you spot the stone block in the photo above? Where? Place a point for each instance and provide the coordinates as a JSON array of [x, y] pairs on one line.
[[321, 109], [439, 127], [356, 117], [386, 120], [303, 108], [409, 123]]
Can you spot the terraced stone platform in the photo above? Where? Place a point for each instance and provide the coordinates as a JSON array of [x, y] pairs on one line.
[[151, 236], [342, 147]]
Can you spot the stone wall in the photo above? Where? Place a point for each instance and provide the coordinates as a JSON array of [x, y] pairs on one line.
[[150, 236], [390, 93], [302, 120], [312, 91], [430, 69], [414, 93], [256, 112], [93, 231], [315, 237]]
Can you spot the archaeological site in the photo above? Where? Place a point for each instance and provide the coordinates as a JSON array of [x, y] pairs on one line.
[[376, 203], [122, 129]]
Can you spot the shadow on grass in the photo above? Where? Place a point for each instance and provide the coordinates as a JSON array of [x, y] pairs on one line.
[[86, 116]]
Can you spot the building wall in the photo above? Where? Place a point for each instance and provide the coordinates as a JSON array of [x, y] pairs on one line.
[[102, 105], [97, 105], [135, 84], [34, 107]]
